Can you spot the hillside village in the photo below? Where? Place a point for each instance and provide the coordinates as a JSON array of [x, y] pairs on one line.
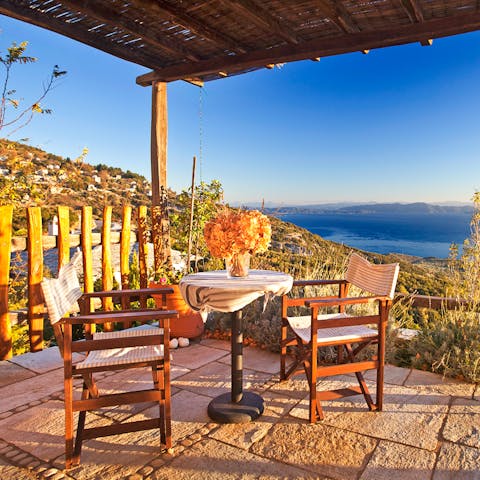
[[30, 176]]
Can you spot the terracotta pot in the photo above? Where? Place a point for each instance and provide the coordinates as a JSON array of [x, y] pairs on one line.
[[189, 323]]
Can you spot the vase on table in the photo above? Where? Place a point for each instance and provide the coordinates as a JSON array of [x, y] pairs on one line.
[[237, 265]]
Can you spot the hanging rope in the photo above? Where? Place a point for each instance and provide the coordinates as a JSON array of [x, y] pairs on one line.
[[200, 133]]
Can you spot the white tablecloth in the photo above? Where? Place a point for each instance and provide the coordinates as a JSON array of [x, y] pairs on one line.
[[207, 291]]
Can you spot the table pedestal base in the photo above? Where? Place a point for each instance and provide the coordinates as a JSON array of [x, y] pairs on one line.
[[223, 410]]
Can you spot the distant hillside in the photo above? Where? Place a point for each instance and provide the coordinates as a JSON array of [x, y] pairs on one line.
[[30, 176], [419, 208]]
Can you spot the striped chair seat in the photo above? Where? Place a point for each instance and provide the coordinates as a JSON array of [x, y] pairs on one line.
[[126, 355], [301, 327]]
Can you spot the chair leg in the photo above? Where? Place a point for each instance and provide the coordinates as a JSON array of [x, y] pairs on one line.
[[91, 385], [315, 407], [68, 421], [361, 380], [86, 393], [158, 385], [340, 354], [168, 406], [380, 380], [283, 352]]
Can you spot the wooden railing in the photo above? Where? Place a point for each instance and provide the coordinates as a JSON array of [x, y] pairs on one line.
[[35, 243]]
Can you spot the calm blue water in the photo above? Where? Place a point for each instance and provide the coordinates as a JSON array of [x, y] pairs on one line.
[[419, 235]]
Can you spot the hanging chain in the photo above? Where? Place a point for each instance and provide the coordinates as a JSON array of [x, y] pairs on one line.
[[200, 134]]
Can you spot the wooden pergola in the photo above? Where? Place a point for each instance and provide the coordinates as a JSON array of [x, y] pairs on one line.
[[202, 40]]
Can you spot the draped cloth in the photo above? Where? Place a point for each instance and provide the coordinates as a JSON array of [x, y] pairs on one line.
[[207, 291]]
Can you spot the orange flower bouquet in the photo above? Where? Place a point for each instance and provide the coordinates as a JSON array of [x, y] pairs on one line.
[[235, 235]]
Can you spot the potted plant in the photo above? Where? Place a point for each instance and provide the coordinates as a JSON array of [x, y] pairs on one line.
[[190, 323]]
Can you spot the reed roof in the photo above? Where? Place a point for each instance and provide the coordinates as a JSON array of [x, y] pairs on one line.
[[201, 40]]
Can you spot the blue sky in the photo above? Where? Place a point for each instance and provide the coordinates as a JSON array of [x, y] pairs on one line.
[[398, 124]]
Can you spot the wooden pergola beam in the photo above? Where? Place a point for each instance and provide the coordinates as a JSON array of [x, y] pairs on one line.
[[338, 14], [261, 17], [319, 48], [413, 9], [179, 16], [91, 39], [147, 34]]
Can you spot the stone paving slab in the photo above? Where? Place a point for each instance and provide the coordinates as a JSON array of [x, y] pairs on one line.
[[117, 457], [463, 422], [40, 430], [189, 413], [400, 462], [258, 360], [31, 389], [43, 361], [214, 343], [11, 373], [457, 462], [214, 379], [214, 460], [196, 356], [318, 448], [409, 416], [244, 435], [394, 375], [446, 386]]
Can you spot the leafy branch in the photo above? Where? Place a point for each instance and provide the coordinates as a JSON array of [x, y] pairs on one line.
[[23, 115]]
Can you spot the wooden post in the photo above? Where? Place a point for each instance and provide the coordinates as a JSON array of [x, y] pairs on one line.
[[125, 246], [159, 140], [87, 258], [160, 221], [142, 250], [125, 251], [6, 213], [142, 245], [192, 203], [63, 239], [107, 274], [35, 276]]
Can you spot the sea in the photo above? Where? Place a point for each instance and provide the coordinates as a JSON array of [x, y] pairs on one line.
[[421, 235]]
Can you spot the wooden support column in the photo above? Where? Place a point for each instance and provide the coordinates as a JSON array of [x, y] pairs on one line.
[[160, 222], [107, 272], [159, 140], [63, 238], [87, 259], [6, 213], [35, 276]]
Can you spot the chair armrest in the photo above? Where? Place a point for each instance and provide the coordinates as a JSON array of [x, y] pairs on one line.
[[306, 283], [120, 316], [332, 302], [127, 293]]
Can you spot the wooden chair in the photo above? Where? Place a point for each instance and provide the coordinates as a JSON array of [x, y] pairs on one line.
[[340, 330], [146, 346]]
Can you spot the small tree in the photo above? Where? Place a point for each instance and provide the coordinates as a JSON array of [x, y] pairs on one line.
[[21, 114], [207, 198]]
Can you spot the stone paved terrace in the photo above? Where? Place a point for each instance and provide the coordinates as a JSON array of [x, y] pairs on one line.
[[429, 429]]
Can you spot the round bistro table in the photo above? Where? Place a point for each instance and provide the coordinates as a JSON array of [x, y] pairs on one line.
[[209, 291]]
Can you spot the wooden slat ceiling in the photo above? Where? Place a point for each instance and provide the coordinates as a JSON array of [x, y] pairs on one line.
[[201, 40]]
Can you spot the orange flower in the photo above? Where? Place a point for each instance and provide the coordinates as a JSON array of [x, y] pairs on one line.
[[234, 232]]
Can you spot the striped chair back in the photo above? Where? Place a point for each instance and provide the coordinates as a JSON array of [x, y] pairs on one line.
[[373, 278]]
